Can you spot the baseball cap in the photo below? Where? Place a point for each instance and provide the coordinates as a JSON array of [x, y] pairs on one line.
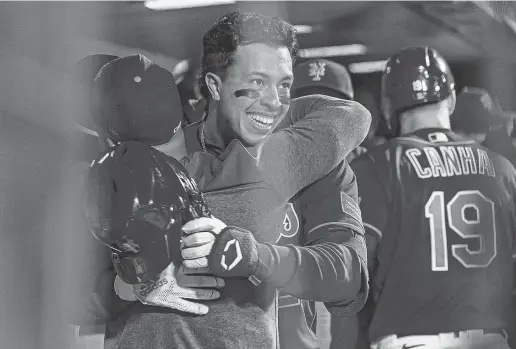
[[134, 99], [476, 111], [324, 74]]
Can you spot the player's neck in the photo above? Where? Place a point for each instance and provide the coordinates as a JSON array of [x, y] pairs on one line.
[[418, 121], [215, 130]]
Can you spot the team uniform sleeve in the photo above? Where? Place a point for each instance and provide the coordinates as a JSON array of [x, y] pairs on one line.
[[324, 131], [373, 203], [331, 267], [352, 331], [332, 218]]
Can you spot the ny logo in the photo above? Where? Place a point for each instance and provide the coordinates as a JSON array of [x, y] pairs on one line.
[[317, 70]]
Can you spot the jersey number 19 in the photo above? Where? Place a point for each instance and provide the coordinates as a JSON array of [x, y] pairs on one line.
[[444, 216]]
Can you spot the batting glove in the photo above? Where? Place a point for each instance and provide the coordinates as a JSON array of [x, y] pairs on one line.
[[172, 289]]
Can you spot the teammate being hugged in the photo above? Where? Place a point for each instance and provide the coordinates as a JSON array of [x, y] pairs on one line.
[[440, 217], [302, 323]]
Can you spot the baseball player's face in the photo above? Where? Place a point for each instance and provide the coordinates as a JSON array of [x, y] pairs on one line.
[[255, 92]]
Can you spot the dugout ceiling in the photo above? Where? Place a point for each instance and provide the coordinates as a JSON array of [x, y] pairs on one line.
[[460, 30], [52, 36]]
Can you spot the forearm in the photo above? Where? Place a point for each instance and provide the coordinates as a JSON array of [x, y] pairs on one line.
[[332, 269], [326, 272], [344, 332]]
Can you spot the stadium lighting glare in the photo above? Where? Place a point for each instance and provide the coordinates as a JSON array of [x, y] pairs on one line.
[[333, 51], [160, 5], [367, 67]]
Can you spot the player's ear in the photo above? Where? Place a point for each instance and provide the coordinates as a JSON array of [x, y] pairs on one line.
[[452, 100], [213, 82]]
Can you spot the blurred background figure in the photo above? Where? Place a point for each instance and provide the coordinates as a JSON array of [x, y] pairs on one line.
[[476, 113], [90, 258], [194, 105], [83, 73], [480, 117], [366, 97]]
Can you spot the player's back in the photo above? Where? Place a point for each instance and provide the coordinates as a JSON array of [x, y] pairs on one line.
[[445, 258]]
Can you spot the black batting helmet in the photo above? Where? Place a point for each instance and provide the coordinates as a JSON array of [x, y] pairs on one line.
[[413, 77], [137, 201]]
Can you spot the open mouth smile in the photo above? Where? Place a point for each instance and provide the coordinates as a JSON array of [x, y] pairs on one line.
[[261, 121]]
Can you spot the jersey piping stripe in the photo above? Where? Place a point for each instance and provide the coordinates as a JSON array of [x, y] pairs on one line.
[[374, 229], [345, 225]]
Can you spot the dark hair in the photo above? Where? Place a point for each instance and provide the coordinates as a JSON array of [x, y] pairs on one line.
[[241, 28]]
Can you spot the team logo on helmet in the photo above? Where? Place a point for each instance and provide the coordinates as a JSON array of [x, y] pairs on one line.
[[237, 251], [317, 70]]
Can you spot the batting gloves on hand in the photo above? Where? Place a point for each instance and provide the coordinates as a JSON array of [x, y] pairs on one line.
[[175, 288]]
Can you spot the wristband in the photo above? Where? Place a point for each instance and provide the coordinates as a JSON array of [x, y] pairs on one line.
[[234, 254]]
